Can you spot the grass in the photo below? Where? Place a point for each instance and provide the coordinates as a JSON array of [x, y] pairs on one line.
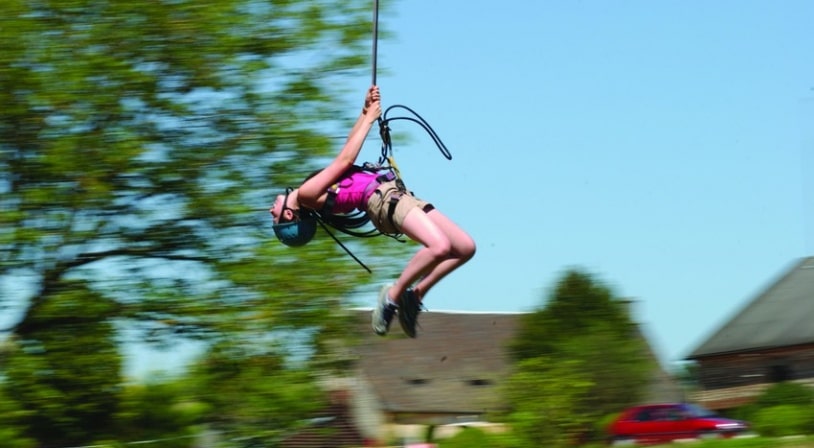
[[752, 442], [745, 442]]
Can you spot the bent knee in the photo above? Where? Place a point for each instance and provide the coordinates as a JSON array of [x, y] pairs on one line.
[[467, 249], [441, 249]]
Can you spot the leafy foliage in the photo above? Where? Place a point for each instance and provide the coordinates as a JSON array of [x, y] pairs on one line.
[[162, 411], [546, 396], [784, 420], [469, 437], [252, 394], [757, 442], [65, 371], [782, 409], [138, 140], [786, 393], [12, 431], [140, 146]]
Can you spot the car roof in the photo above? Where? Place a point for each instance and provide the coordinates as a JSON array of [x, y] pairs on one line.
[[658, 405], [642, 407]]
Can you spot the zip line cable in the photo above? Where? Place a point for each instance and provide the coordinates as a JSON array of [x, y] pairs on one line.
[[384, 121], [375, 40]]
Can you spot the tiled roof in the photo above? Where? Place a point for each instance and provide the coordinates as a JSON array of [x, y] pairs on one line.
[[454, 366], [779, 316]]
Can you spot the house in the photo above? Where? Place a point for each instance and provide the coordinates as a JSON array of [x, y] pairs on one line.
[[448, 375], [446, 378], [768, 341]]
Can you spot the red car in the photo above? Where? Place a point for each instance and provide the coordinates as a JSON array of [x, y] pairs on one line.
[[659, 423]]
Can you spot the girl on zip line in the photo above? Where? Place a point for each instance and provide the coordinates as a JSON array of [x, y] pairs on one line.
[[342, 187]]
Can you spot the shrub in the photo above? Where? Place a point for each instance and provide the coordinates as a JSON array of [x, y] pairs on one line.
[[784, 420], [601, 426], [776, 395], [472, 437], [786, 393]]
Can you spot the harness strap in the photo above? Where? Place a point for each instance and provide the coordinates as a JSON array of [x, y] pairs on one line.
[[394, 201], [330, 199], [373, 185], [386, 177], [391, 209]]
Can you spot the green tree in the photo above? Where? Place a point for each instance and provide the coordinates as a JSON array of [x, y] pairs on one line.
[[141, 143], [584, 324]]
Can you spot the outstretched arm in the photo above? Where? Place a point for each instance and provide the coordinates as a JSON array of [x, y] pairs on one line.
[[311, 190]]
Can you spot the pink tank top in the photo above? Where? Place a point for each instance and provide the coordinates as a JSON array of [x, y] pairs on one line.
[[352, 191]]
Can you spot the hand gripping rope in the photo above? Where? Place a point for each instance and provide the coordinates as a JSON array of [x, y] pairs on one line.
[[349, 223]]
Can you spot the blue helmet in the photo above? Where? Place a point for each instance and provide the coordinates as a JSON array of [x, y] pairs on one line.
[[296, 233]]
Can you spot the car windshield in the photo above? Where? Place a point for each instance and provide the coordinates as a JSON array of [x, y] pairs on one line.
[[699, 411]]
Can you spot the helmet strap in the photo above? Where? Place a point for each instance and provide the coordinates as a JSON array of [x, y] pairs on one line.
[[295, 213]]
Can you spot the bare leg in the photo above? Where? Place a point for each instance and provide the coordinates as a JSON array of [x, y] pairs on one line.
[[463, 249], [446, 247]]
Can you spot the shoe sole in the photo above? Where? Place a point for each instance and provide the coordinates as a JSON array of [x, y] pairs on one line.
[[408, 313], [376, 315]]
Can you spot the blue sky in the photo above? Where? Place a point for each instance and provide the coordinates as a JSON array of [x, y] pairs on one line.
[[665, 146]]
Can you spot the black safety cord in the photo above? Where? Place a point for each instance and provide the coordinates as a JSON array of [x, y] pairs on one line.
[[325, 228], [387, 142]]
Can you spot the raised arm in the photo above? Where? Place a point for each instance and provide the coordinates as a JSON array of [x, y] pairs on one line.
[[311, 190]]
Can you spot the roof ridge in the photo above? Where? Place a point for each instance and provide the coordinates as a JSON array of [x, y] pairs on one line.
[[764, 295], [444, 311]]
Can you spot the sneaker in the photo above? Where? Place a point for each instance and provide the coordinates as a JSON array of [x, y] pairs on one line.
[[383, 313], [408, 312]]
